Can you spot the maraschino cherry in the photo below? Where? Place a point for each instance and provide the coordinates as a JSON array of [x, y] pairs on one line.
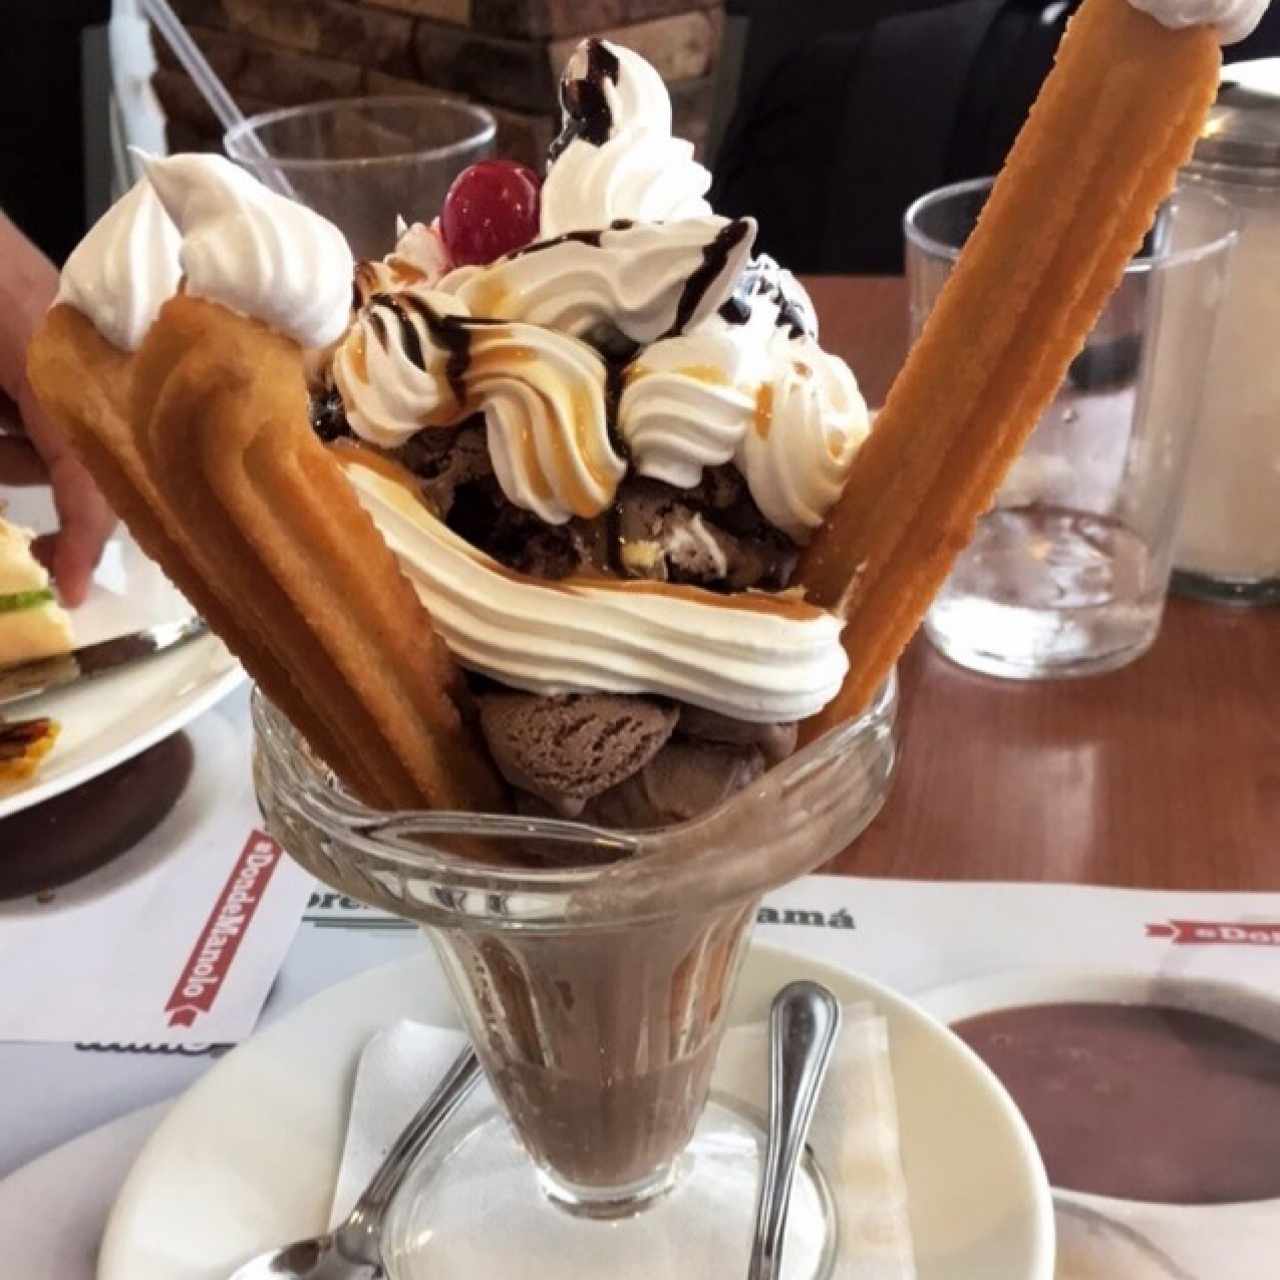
[[491, 209]]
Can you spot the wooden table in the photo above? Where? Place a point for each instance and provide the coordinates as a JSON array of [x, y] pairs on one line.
[[1165, 774]]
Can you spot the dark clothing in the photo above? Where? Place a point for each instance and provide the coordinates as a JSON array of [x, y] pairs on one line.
[[849, 129], [41, 120], [837, 135]]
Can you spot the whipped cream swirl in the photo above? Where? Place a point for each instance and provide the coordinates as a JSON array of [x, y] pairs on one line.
[[753, 657], [808, 423], [757, 390], [125, 269], [254, 251], [392, 369], [644, 279], [1234, 19], [615, 157], [686, 404], [415, 359]]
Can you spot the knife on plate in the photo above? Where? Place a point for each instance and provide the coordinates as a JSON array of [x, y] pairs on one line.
[[93, 660]]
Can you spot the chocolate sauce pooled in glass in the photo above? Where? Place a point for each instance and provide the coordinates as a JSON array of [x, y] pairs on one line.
[[1141, 1102]]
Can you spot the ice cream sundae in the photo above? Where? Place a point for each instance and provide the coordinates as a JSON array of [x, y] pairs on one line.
[[596, 455], [594, 430], [561, 505]]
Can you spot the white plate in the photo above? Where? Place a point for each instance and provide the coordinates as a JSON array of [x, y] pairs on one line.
[[247, 1157], [109, 720]]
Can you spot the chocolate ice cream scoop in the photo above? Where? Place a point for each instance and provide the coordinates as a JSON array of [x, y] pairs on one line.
[[686, 778], [446, 460], [567, 749], [702, 762], [777, 741], [688, 536]]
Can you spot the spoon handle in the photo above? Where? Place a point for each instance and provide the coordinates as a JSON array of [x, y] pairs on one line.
[[803, 1025], [358, 1236]]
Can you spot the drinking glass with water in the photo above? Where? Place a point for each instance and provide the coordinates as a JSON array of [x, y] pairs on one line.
[[1067, 574]]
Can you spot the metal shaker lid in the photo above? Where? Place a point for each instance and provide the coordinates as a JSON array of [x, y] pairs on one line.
[[1243, 128]]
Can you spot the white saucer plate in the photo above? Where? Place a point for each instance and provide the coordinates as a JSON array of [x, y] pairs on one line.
[[53, 1210], [111, 719], [247, 1158]]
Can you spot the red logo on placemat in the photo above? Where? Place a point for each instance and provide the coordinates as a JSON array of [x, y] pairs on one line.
[[215, 949], [1183, 932]]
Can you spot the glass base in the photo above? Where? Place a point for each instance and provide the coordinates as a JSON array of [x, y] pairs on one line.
[[479, 1209], [1046, 591], [969, 652], [1245, 591]]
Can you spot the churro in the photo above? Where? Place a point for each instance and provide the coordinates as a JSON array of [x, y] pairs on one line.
[[229, 432], [83, 384], [271, 544], [23, 745], [1115, 119]]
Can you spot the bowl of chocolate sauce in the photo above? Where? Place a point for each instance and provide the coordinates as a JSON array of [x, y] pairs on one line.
[[1155, 1102]]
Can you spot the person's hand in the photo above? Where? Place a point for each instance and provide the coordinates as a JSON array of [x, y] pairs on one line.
[[34, 448]]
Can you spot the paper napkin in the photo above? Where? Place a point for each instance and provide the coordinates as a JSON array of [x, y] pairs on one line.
[[854, 1134]]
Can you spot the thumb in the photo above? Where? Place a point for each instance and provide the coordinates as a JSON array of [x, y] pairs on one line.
[[85, 525]]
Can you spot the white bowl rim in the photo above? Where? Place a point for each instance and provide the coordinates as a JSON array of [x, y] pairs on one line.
[[1012, 988]]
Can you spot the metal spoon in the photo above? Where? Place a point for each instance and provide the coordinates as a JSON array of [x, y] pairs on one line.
[[351, 1250], [803, 1025]]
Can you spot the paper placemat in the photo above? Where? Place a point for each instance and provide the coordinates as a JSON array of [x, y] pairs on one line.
[[177, 941]]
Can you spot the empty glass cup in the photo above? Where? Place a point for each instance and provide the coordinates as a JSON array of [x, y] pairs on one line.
[[593, 970], [364, 161], [1067, 574]]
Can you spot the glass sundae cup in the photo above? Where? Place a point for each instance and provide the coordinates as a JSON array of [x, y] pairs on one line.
[[593, 971]]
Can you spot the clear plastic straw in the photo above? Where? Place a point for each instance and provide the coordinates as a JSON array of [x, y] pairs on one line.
[[206, 80]]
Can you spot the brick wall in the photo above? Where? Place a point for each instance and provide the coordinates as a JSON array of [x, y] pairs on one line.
[[506, 54]]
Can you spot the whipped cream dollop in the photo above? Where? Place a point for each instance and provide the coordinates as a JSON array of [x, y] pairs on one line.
[[125, 269], [416, 359], [1233, 19], [753, 657], [750, 385], [615, 156], [420, 258], [254, 251], [643, 279]]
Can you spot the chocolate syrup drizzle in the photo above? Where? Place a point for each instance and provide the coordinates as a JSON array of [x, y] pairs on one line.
[[409, 339], [590, 238], [453, 333], [586, 109], [593, 239], [714, 257], [758, 282]]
